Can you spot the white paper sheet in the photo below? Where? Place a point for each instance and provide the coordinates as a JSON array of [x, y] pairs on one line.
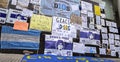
[[14, 2], [111, 36], [35, 2], [117, 36], [103, 16], [27, 12], [84, 21], [98, 20], [104, 30], [102, 51], [111, 41], [117, 42], [90, 14], [105, 42], [78, 48], [102, 22], [108, 23], [113, 53], [104, 36], [22, 4]]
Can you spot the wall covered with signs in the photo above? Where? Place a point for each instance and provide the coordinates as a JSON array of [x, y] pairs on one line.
[[75, 27]]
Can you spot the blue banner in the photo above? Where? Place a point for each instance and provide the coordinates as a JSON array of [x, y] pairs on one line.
[[50, 58]]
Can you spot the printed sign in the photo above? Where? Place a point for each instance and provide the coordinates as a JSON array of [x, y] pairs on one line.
[[59, 8], [60, 46], [90, 50], [3, 15], [90, 37], [15, 15], [102, 51], [80, 49], [61, 26], [35, 2]]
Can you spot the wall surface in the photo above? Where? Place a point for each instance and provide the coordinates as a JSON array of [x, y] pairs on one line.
[[108, 8]]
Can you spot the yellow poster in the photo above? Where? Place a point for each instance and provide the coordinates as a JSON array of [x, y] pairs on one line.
[[97, 10], [41, 22]]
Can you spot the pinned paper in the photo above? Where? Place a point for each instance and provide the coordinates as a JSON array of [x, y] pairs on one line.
[[41, 22], [18, 25], [97, 10]]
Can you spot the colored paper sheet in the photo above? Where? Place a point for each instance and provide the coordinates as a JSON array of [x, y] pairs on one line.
[[18, 25], [97, 10], [41, 22]]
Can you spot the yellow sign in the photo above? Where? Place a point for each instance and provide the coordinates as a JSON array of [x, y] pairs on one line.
[[41, 22], [97, 10]]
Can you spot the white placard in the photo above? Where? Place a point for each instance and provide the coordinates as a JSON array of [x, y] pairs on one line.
[[102, 22], [112, 47], [14, 2], [90, 14], [117, 36], [61, 26], [113, 53], [117, 42], [104, 36], [98, 20], [91, 26], [111, 36], [104, 30], [84, 21], [78, 48], [99, 27], [103, 16], [3, 15], [84, 11], [105, 42], [22, 4], [114, 24], [102, 51], [108, 23], [35, 2], [73, 31], [111, 41], [27, 12], [90, 50], [15, 15]]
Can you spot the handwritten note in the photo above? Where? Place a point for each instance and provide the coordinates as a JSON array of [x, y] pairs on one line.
[[41, 22]]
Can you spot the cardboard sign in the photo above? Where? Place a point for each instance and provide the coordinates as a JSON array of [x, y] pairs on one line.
[[41, 22], [76, 19], [4, 3], [21, 26]]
